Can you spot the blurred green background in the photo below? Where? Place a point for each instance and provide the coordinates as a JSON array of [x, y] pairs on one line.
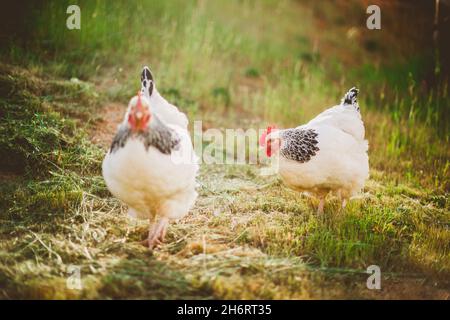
[[273, 61]]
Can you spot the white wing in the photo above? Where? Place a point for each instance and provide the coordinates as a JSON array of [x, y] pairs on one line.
[[167, 112], [345, 118]]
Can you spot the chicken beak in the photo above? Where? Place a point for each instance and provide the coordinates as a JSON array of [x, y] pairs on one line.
[[138, 118]]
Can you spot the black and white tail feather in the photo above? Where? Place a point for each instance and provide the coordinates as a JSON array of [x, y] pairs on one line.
[[167, 112], [147, 82], [350, 98]]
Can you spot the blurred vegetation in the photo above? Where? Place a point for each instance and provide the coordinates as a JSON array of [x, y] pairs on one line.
[[230, 64], [205, 55]]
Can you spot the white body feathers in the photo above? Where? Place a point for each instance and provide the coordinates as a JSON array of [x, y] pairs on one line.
[[166, 111]]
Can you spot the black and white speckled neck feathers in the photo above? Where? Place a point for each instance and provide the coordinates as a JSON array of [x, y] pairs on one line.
[[299, 144], [157, 135]]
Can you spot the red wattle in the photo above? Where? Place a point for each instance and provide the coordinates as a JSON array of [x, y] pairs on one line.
[[269, 149]]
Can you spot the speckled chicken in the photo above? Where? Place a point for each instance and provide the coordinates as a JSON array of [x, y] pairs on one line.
[[328, 154], [151, 166]]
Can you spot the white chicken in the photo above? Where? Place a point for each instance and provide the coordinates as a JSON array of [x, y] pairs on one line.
[[151, 166], [167, 112], [328, 154]]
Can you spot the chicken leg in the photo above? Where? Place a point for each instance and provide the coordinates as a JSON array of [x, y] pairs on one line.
[[342, 199], [157, 233], [321, 205]]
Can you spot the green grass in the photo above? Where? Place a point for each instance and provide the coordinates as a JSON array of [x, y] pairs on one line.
[[231, 65]]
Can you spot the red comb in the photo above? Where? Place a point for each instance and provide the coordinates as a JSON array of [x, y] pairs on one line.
[[262, 139]]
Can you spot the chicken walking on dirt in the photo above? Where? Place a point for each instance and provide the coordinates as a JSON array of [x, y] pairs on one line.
[[151, 166], [328, 154]]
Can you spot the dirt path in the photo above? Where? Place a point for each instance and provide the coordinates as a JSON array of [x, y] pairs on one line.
[[112, 115]]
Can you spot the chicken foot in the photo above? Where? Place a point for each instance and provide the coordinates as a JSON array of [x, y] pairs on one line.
[[157, 233]]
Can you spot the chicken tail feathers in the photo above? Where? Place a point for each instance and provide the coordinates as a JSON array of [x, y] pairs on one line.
[[147, 81], [350, 98]]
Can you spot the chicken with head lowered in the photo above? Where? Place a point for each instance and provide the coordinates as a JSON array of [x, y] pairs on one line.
[[151, 166], [328, 154]]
